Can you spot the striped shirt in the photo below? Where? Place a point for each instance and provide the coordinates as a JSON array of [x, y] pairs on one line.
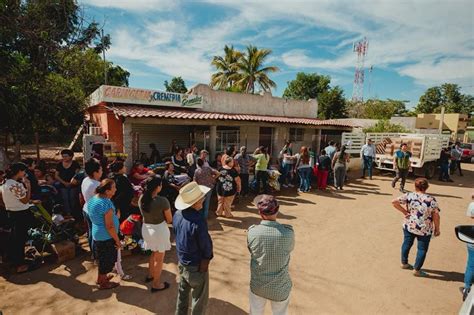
[[270, 244]]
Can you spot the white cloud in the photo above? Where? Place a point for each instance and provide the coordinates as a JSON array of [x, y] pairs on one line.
[[416, 32], [429, 41], [135, 5]]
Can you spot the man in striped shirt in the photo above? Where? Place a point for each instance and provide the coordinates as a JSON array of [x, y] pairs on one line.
[[270, 244]]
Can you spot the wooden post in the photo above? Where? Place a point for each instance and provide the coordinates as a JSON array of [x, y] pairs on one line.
[[37, 146]]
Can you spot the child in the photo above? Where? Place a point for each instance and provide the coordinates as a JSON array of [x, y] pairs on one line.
[[59, 219]]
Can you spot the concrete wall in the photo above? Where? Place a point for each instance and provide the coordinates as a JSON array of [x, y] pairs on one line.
[[452, 122], [241, 103], [407, 122]]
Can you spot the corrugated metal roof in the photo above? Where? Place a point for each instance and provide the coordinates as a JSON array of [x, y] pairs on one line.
[[134, 111]]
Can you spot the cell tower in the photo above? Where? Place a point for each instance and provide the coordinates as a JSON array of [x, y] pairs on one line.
[[361, 48]]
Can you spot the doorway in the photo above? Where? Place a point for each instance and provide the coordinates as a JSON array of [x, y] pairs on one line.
[[266, 138]]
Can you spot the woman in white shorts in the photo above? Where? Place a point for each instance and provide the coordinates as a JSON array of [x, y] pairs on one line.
[[156, 214]]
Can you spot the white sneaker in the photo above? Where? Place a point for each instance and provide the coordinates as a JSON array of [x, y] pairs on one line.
[[291, 185], [285, 186]]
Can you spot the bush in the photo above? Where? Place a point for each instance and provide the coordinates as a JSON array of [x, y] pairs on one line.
[[386, 126]]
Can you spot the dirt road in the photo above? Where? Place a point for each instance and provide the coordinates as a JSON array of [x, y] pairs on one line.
[[346, 261]]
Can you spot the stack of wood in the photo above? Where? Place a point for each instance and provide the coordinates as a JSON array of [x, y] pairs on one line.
[[414, 146], [382, 146]]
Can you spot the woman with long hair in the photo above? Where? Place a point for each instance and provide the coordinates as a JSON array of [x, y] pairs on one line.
[[180, 164], [156, 212], [16, 194], [339, 162], [304, 169], [105, 225]]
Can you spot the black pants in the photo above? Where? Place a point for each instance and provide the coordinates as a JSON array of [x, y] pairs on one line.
[[456, 165], [106, 253], [20, 222], [244, 179], [262, 176], [401, 174]]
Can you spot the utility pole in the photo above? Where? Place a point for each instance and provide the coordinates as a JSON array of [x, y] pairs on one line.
[[103, 56], [441, 121]]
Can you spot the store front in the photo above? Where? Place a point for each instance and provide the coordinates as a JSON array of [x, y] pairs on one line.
[[134, 118]]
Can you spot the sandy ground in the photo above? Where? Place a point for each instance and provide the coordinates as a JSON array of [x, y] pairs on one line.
[[346, 261]]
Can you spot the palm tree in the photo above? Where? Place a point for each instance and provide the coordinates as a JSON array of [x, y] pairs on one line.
[[226, 67], [251, 72]]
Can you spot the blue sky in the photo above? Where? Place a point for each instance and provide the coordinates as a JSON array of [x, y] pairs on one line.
[[412, 44]]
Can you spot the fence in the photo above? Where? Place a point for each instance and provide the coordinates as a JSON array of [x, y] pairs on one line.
[[42, 147]]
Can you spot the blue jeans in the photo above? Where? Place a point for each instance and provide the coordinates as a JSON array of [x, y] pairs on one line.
[[368, 160], [206, 205], [444, 174], [286, 173], [305, 178], [469, 274], [70, 199], [89, 234], [423, 242]]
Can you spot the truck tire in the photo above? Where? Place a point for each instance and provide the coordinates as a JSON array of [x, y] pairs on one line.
[[429, 170]]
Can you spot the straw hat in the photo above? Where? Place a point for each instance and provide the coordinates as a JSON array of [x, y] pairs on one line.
[[190, 194]]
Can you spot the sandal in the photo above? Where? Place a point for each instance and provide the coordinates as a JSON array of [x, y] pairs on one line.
[[109, 277], [166, 285], [125, 277], [22, 269], [108, 285], [229, 216]]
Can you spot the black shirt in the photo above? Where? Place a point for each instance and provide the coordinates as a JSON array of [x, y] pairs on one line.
[[67, 174], [33, 180], [324, 163], [124, 194], [226, 185]]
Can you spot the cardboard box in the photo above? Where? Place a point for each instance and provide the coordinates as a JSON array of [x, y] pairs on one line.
[[64, 251]]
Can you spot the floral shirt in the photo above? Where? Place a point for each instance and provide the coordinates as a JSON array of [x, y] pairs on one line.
[[226, 185], [421, 208]]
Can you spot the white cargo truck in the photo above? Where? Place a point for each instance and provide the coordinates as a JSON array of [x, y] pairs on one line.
[[425, 149]]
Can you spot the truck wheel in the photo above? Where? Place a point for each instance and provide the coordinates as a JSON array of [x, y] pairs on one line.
[[430, 170]]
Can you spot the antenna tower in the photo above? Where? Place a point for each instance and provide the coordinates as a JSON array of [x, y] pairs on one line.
[[361, 48]]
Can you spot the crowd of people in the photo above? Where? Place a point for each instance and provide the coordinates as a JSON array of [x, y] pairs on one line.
[[179, 190]]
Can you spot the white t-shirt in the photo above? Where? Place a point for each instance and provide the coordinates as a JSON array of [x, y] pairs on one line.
[[88, 187], [470, 210], [12, 192]]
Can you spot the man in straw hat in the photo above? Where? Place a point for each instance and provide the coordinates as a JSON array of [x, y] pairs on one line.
[[194, 249], [270, 244]]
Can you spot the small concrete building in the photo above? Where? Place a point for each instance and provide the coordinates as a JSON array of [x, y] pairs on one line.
[[455, 124], [133, 118]]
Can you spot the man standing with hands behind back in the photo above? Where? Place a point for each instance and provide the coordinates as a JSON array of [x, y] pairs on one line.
[[194, 249], [270, 244]]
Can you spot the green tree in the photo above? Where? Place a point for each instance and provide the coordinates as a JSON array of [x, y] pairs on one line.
[[314, 86], [226, 67], [383, 109], [177, 85], [252, 72], [332, 104], [49, 63], [307, 86], [384, 125], [448, 95], [377, 109]]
